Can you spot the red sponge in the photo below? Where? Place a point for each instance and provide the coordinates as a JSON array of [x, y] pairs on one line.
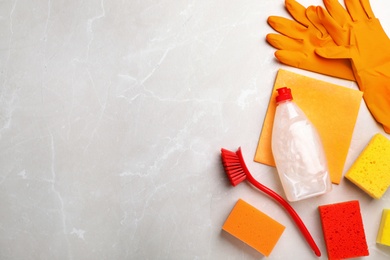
[[343, 230]]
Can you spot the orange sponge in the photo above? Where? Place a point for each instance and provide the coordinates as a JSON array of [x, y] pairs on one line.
[[253, 227], [371, 170], [343, 230]]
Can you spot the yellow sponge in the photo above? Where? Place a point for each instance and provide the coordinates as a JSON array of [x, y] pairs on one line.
[[371, 170], [384, 229], [253, 227]]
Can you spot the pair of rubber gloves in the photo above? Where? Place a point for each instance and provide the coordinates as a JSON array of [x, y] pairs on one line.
[[346, 43]]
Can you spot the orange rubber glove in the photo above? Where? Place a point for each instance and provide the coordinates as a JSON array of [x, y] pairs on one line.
[[361, 39], [299, 38]]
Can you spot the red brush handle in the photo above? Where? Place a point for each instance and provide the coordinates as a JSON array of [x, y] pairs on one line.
[[298, 221]]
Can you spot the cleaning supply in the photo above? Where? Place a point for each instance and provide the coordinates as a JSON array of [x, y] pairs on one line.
[[371, 170], [253, 227], [298, 152], [298, 39], [383, 236], [361, 39], [343, 230], [334, 115], [237, 171]]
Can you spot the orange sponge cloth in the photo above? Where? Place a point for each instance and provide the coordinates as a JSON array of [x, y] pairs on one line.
[[253, 227], [384, 229], [371, 170], [343, 230]]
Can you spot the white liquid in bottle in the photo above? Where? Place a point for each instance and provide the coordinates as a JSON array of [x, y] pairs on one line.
[[298, 152]]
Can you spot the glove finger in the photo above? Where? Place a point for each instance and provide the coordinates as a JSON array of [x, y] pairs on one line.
[[367, 8], [292, 58], [297, 11], [335, 68], [282, 42], [355, 9], [287, 27], [311, 14], [337, 11], [334, 52], [335, 30]]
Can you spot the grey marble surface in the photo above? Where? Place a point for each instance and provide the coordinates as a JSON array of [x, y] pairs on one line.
[[112, 115]]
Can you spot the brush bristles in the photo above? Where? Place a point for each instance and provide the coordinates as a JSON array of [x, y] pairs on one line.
[[233, 167]]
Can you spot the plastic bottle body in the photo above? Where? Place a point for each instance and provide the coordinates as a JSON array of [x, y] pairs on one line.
[[298, 153]]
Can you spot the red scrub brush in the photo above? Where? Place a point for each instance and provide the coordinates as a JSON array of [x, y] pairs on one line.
[[236, 170]]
